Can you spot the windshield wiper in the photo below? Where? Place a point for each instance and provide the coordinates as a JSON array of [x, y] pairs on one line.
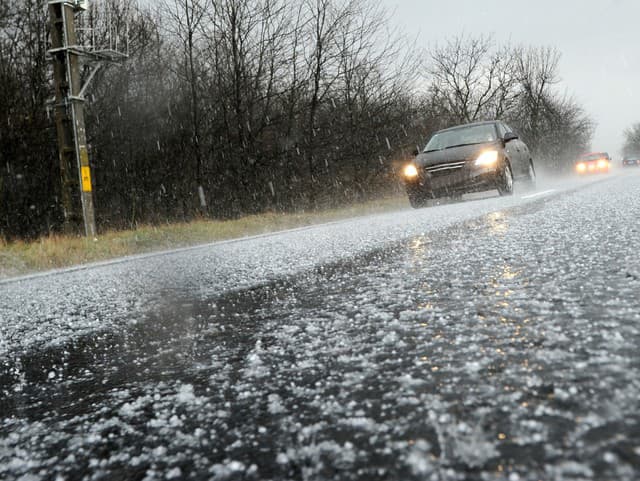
[[463, 145], [457, 145]]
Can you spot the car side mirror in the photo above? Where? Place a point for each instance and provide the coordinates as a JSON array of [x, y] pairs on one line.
[[509, 136]]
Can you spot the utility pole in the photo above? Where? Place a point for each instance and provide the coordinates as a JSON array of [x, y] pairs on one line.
[[68, 56]]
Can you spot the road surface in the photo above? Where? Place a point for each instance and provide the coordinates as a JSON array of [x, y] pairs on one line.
[[491, 339]]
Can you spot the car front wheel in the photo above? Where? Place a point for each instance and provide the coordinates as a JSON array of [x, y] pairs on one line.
[[417, 200], [505, 182]]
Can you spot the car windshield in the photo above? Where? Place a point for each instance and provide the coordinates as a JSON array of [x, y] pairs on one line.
[[476, 134]]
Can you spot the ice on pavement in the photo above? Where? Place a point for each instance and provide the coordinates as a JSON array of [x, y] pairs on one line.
[[404, 346], [50, 310]]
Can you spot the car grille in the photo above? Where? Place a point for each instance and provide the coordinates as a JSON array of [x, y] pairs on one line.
[[445, 169]]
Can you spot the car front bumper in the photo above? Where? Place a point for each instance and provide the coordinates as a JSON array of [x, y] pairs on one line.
[[458, 181]]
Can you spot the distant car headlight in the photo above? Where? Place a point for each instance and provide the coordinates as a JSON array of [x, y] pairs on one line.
[[603, 164], [410, 171], [487, 159], [581, 167]]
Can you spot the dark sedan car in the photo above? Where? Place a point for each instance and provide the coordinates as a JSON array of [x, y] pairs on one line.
[[468, 158], [631, 161]]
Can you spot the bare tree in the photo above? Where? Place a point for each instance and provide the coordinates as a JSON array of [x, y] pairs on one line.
[[184, 23], [29, 188], [247, 76], [325, 17], [554, 125], [472, 79], [564, 131], [537, 73], [632, 140], [375, 79], [134, 128]]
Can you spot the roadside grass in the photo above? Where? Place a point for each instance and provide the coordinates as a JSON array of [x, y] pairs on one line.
[[59, 251]]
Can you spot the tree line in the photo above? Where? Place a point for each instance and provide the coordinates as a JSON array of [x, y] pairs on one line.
[[233, 107]]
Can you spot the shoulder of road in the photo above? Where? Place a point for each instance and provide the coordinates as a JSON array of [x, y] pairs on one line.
[[55, 252]]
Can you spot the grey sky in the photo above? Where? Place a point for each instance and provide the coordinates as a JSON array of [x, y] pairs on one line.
[[599, 41]]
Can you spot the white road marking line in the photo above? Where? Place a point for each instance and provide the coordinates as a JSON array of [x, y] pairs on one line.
[[538, 194]]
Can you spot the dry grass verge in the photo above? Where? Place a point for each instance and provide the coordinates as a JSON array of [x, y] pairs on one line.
[[57, 251]]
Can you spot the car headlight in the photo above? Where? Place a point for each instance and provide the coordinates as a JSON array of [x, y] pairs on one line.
[[603, 164], [410, 171], [581, 167], [487, 159]]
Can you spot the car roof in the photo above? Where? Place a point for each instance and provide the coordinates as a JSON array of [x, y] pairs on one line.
[[472, 124]]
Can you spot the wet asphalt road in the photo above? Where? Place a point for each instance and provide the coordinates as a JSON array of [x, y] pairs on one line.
[[492, 339]]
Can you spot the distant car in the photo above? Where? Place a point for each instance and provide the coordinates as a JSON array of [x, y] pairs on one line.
[[593, 163], [468, 158], [630, 161]]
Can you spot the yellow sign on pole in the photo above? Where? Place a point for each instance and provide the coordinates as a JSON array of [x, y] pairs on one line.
[[86, 178]]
